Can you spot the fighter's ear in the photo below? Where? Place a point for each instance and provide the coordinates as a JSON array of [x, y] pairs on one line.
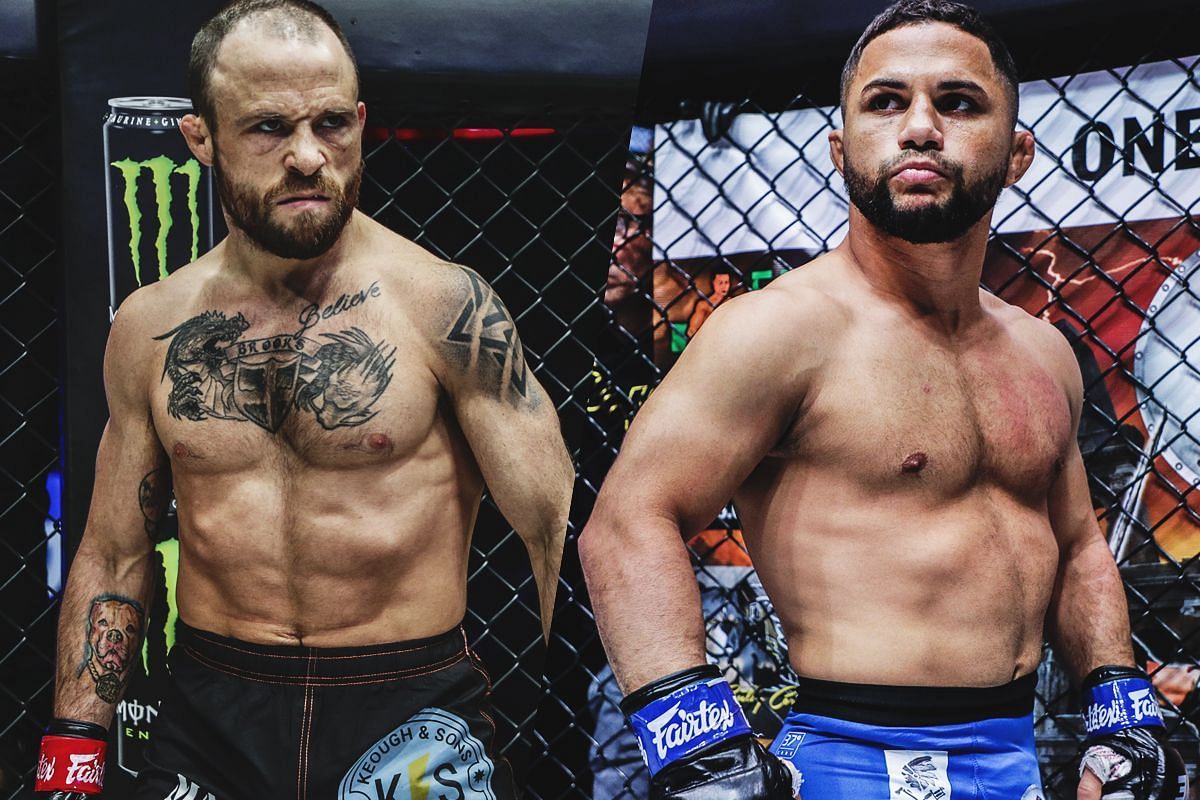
[[1020, 156], [837, 149], [196, 133]]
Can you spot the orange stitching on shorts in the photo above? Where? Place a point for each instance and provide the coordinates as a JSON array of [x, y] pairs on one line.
[[477, 663], [397, 651], [376, 677], [307, 734], [300, 744], [331, 680], [491, 722]]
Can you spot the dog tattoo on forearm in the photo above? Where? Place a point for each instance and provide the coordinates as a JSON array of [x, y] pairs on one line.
[[114, 636]]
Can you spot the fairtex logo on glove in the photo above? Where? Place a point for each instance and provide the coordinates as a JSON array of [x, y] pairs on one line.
[[1120, 704], [686, 721], [69, 763], [676, 728], [45, 769]]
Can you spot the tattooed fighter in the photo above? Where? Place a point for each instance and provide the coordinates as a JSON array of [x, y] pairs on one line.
[[907, 473], [330, 401]]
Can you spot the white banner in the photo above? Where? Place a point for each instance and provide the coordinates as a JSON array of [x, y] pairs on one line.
[[1114, 145]]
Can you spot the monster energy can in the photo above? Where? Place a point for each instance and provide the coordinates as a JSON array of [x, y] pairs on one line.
[[160, 208]]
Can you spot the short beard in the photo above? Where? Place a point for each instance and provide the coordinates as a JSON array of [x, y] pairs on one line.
[[311, 234], [928, 224]]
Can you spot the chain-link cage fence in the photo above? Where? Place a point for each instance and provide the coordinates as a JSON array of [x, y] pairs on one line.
[[30, 352], [1100, 239], [530, 205]]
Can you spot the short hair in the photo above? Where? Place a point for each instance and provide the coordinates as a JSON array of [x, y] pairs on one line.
[[917, 12], [287, 18]]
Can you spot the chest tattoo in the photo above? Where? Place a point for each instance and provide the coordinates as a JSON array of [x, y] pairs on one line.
[[216, 373]]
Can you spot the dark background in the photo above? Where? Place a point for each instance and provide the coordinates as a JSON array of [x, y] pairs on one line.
[[718, 49]]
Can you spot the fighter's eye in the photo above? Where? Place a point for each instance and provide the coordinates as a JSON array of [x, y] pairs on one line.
[[333, 122], [885, 101], [269, 126], [956, 102]]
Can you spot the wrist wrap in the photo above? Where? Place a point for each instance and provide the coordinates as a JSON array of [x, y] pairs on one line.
[[1116, 698], [72, 757], [683, 713]]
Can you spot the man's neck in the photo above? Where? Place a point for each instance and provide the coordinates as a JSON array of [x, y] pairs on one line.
[[286, 278], [937, 283]]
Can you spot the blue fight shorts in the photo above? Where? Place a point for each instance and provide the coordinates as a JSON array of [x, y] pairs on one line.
[[860, 742]]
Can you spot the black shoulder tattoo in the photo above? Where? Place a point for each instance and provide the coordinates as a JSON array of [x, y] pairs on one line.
[[483, 339], [217, 374]]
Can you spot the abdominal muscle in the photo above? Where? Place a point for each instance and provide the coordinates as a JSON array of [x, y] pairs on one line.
[[326, 558], [900, 591]]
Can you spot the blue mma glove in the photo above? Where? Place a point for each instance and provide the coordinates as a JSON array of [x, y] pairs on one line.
[[1125, 737], [697, 743]]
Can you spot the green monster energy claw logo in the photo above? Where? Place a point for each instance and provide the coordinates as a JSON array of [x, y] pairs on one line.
[[161, 169]]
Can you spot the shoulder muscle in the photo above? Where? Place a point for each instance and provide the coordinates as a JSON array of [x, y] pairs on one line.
[[474, 338]]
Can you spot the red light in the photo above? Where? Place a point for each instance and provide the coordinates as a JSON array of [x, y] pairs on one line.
[[419, 134]]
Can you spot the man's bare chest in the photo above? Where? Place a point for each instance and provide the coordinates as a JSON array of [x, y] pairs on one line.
[[906, 415], [335, 385]]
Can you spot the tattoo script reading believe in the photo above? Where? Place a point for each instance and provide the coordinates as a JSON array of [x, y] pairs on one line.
[[312, 314]]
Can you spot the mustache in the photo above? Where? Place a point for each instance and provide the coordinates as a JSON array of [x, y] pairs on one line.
[[946, 165], [303, 184]]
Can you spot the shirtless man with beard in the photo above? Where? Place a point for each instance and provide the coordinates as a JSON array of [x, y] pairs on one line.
[[330, 400], [903, 458]]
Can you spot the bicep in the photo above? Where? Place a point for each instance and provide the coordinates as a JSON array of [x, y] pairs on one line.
[[717, 414], [508, 420], [132, 479], [519, 450], [1069, 503], [131, 490]]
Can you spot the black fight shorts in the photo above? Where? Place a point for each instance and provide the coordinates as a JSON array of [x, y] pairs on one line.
[[405, 721]]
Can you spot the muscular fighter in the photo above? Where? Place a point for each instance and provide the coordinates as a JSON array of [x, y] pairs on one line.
[[330, 400], [904, 461]]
